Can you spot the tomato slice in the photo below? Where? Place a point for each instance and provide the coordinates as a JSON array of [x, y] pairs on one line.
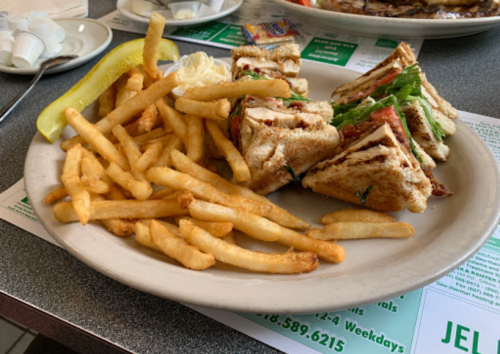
[[388, 114], [379, 82], [235, 129]]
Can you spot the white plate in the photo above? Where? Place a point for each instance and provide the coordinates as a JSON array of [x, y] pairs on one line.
[[84, 37], [405, 28], [447, 234], [125, 8]]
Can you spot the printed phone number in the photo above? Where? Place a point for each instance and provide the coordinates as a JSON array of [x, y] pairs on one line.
[[302, 329]]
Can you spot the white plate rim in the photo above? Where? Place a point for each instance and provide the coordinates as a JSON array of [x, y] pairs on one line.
[[382, 289], [73, 63], [432, 27], [439, 22], [122, 4]]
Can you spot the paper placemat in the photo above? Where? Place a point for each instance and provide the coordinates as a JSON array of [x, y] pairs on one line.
[[352, 52]]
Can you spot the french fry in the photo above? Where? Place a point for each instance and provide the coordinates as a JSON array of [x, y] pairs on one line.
[[357, 215], [95, 138], [357, 230], [229, 238], [164, 160], [211, 110], [128, 145], [146, 137], [55, 195], [142, 236], [217, 229], [122, 209], [173, 118], [148, 118], [70, 177], [241, 172], [285, 263], [177, 248], [149, 157], [94, 185], [139, 189], [92, 167], [195, 138], [162, 193], [277, 214], [118, 227], [122, 93], [135, 80], [128, 110], [164, 176], [259, 88], [327, 251], [151, 43], [107, 100], [251, 224]]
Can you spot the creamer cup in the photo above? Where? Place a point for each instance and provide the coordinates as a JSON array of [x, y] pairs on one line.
[[17, 23], [6, 46], [40, 29], [57, 30], [4, 17], [27, 49], [184, 10]]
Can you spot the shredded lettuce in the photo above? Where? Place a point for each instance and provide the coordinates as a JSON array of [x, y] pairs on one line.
[[362, 114], [253, 75], [406, 87], [294, 97]]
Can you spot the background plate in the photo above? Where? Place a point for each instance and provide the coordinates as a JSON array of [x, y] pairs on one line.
[[447, 234], [84, 37], [125, 8], [405, 28]]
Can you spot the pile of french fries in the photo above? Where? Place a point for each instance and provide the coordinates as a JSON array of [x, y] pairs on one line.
[[145, 168]]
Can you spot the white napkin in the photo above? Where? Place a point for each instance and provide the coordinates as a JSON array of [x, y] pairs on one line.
[[55, 8]]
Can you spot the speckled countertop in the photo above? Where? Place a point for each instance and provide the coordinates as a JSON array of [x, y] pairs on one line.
[[47, 288]]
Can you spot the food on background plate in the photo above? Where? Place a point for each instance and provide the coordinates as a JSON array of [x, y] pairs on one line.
[[379, 164], [279, 138], [427, 9]]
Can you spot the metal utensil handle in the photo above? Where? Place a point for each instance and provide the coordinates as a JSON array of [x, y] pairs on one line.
[[13, 103]]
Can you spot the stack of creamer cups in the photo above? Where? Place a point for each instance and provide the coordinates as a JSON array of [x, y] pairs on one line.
[[24, 40]]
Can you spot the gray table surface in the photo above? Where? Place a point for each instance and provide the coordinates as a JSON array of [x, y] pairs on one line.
[[46, 288]]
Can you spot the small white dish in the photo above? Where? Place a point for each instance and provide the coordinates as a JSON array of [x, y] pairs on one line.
[[174, 67], [185, 10], [84, 37], [206, 13]]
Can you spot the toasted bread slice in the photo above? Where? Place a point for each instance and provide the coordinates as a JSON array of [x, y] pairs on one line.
[[379, 161], [272, 139], [421, 132]]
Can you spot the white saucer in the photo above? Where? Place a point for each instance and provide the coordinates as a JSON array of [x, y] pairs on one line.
[[125, 8], [84, 37]]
